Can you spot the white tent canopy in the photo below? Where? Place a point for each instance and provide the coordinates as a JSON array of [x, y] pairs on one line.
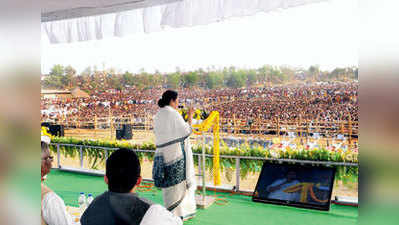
[[83, 20], [60, 10]]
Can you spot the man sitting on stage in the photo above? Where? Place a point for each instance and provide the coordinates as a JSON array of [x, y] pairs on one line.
[[53, 211], [120, 204]]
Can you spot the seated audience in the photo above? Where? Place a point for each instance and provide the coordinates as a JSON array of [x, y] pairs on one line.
[[120, 204]]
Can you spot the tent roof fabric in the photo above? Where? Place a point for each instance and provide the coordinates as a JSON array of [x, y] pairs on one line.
[[60, 10], [52, 6], [95, 20]]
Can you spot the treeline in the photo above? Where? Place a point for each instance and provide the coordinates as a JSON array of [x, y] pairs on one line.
[[62, 77]]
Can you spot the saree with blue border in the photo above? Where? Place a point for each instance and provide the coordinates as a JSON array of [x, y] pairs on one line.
[[173, 169]]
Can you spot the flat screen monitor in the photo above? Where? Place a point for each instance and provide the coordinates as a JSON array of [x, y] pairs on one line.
[[295, 185]]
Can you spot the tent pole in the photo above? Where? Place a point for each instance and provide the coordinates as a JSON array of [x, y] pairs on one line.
[[203, 168]]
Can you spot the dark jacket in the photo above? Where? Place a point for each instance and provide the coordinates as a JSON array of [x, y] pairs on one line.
[[113, 208]]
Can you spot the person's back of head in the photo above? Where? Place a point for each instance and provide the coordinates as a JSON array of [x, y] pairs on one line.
[[122, 171], [118, 205]]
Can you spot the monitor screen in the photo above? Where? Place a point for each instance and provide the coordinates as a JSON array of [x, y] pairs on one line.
[[295, 185]]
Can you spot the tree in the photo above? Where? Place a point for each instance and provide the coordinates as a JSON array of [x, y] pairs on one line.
[[210, 80], [115, 82], [55, 78], [158, 79], [57, 70], [190, 79], [314, 72], [252, 77], [61, 77], [265, 73], [70, 72], [337, 73], [173, 80], [236, 80], [87, 71], [127, 78], [288, 73], [214, 80], [275, 75]]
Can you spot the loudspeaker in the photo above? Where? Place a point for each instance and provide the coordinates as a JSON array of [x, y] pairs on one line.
[[46, 124], [56, 130], [53, 130], [127, 131], [119, 134]]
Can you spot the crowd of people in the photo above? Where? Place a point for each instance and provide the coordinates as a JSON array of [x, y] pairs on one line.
[[323, 102], [317, 102]]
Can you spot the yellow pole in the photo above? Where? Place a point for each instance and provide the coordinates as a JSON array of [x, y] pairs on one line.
[[212, 121], [216, 167]]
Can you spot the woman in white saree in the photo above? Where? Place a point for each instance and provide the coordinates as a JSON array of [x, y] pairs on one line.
[[173, 169]]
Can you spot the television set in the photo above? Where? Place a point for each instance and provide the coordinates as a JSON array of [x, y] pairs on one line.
[[304, 186]]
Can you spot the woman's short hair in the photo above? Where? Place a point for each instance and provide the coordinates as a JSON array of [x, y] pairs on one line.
[[167, 96], [122, 170]]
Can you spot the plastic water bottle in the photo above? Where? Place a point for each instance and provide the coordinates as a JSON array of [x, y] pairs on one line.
[[89, 199], [82, 202]]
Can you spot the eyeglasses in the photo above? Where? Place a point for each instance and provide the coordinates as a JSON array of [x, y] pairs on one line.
[[48, 158]]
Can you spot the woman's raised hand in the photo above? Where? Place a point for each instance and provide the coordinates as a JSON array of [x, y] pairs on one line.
[[190, 114]]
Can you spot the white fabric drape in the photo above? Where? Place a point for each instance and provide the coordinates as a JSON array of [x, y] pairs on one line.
[[54, 211], [158, 214], [178, 14]]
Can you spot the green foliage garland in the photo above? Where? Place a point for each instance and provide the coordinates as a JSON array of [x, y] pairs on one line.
[[96, 156]]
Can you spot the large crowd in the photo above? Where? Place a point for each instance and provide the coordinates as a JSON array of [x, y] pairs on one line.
[[324, 102]]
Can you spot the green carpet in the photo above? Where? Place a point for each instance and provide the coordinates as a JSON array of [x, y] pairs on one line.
[[239, 210]]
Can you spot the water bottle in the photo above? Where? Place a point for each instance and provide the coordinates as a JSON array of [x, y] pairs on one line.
[[89, 199], [82, 202]]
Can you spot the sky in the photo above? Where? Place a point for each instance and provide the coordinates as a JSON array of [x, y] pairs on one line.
[[323, 34]]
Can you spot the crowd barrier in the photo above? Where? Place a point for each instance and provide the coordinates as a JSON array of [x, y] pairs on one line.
[[237, 159], [235, 126]]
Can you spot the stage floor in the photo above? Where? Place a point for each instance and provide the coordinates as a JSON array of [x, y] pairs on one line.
[[239, 209]]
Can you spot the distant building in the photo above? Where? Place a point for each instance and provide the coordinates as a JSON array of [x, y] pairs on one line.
[[77, 93], [56, 94], [74, 93]]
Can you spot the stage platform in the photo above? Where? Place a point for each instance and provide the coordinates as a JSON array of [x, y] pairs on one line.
[[239, 209]]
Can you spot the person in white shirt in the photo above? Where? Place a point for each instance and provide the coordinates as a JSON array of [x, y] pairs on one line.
[[276, 189], [53, 210]]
